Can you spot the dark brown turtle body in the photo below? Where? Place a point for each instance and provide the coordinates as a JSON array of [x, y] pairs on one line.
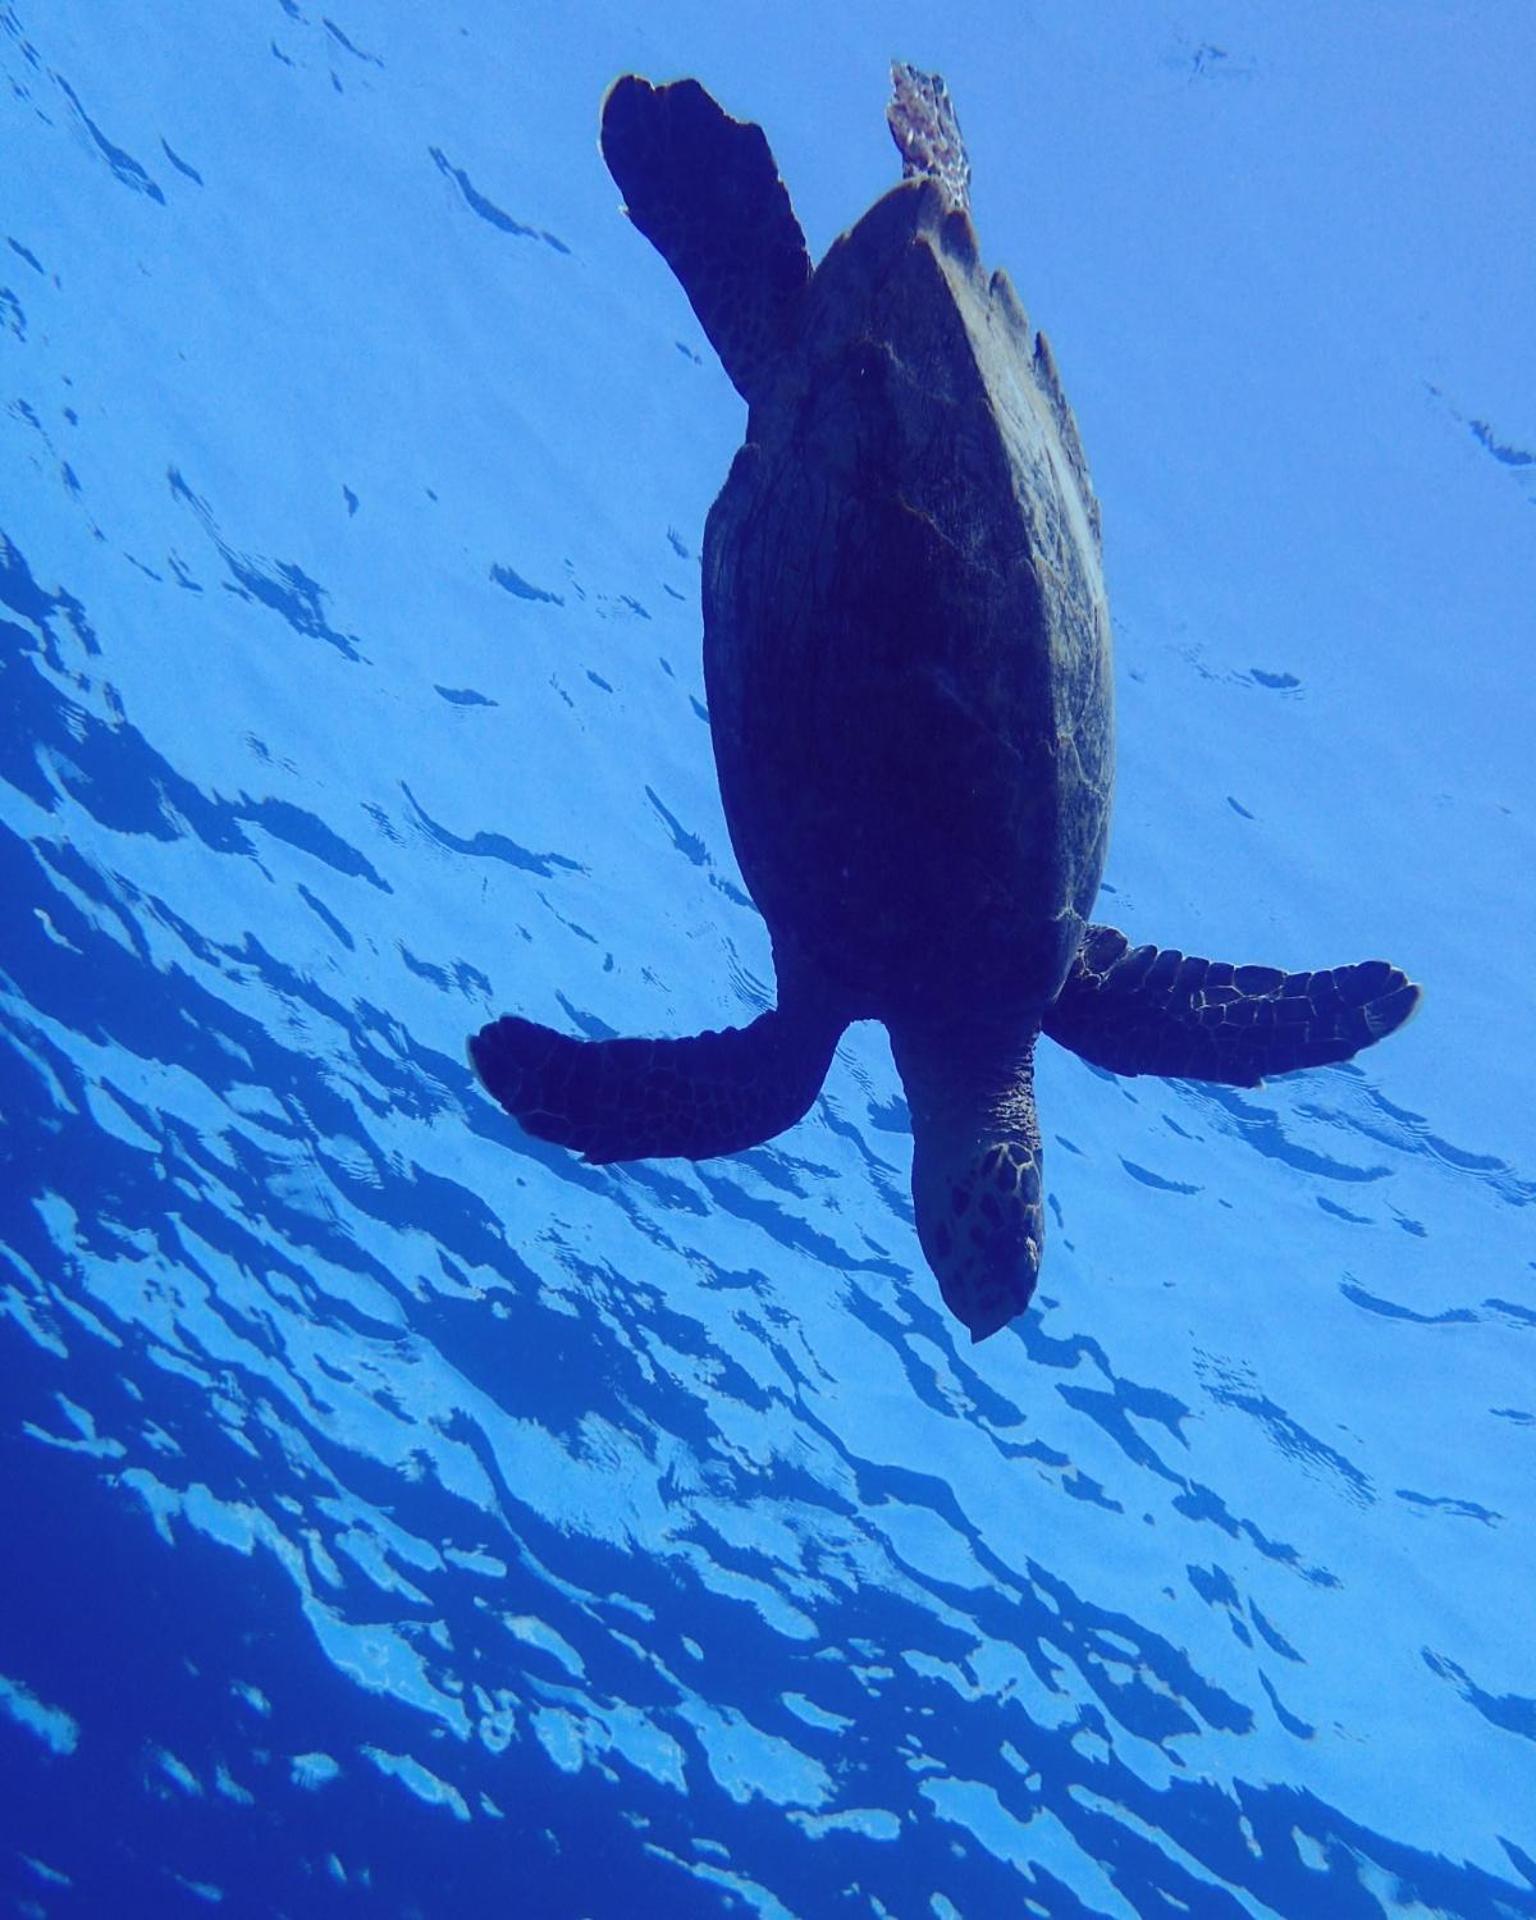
[[907, 648], [907, 655]]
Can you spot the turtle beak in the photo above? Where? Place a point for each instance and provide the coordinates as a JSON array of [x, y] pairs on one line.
[[984, 1233], [993, 1282], [992, 1319]]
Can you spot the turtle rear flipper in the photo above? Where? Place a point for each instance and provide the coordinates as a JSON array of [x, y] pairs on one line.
[[923, 124], [704, 190], [611, 1100], [1140, 1010]]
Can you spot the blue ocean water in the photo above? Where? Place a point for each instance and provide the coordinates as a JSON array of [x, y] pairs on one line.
[[400, 1517]]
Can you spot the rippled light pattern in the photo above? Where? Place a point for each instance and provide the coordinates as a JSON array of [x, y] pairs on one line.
[[401, 1517]]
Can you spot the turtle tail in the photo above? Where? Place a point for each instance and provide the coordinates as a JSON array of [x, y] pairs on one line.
[[712, 1093]]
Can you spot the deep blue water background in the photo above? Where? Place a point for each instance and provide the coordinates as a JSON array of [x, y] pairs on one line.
[[400, 1517]]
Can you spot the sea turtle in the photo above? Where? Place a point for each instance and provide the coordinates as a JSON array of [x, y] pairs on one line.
[[907, 658]]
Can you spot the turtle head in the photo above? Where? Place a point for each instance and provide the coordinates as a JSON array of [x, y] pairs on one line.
[[981, 1224], [976, 1175]]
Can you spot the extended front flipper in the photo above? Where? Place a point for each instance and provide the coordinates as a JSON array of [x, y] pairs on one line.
[[653, 1099], [1141, 1010], [704, 190]]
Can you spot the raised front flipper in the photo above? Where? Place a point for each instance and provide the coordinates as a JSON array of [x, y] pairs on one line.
[[704, 190], [653, 1099], [1141, 1010]]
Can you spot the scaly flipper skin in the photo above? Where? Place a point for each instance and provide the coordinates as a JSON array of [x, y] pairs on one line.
[[704, 190], [1141, 1010], [654, 1099], [926, 130]]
